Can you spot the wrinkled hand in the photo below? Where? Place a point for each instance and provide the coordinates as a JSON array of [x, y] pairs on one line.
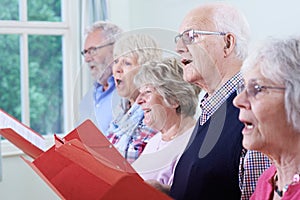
[[161, 187]]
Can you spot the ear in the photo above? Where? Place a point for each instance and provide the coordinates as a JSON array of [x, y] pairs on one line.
[[229, 44], [174, 104]]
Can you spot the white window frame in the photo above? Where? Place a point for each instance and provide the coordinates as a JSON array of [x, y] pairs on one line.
[[69, 29]]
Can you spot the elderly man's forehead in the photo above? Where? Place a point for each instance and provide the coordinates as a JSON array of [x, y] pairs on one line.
[[199, 21]]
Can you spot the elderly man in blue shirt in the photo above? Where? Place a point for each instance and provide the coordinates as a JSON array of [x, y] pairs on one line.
[[97, 105]]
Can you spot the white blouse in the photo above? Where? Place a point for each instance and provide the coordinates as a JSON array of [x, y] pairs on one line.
[[159, 158]]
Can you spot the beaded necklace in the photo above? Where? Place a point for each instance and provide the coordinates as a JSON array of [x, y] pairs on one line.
[[280, 193]]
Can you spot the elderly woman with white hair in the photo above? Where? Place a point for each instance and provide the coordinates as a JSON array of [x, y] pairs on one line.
[[127, 131], [169, 104], [269, 102]]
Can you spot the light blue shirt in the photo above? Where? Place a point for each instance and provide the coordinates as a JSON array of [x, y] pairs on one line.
[[103, 104]]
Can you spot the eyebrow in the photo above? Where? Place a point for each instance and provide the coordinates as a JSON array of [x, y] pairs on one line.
[[92, 47]]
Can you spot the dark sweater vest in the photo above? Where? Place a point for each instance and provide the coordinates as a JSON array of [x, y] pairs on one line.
[[209, 167]]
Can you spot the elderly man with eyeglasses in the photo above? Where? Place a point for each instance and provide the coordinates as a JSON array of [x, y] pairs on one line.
[[98, 104], [213, 43]]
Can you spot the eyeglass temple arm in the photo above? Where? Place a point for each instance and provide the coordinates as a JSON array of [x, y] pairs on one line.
[[273, 87], [209, 32]]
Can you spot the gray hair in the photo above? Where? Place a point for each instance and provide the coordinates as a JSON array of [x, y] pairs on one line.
[[279, 61], [108, 29], [167, 78], [229, 19], [141, 45]]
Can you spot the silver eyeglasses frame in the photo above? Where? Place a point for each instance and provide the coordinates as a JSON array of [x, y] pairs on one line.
[[253, 87], [92, 51], [191, 33]]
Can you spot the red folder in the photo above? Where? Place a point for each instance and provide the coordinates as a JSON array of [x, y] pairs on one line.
[[23, 144], [85, 165]]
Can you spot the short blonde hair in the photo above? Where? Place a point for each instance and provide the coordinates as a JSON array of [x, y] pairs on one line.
[[141, 45], [167, 78]]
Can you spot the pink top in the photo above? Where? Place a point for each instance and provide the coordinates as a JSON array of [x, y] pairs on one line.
[[265, 190], [159, 158]]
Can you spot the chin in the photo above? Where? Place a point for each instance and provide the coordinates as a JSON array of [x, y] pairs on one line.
[[187, 78], [151, 124], [148, 122], [252, 145], [121, 91], [248, 144]]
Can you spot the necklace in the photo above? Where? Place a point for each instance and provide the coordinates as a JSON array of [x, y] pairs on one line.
[[296, 179]]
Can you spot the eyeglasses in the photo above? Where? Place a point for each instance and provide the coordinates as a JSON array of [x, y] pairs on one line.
[[253, 88], [93, 50], [188, 36]]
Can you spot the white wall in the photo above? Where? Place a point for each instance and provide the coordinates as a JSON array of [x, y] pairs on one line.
[[19, 181], [266, 17]]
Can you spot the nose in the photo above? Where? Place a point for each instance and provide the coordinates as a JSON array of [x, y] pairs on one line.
[[87, 57], [241, 101], [117, 66], [181, 47], [140, 99]]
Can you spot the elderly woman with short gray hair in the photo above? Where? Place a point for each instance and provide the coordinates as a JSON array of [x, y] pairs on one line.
[[269, 103], [169, 104]]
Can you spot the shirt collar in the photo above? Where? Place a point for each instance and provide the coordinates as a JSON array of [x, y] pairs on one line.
[[99, 93], [209, 104], [110, 81]]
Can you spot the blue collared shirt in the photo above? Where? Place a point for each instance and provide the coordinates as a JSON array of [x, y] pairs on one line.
[[103, 104]]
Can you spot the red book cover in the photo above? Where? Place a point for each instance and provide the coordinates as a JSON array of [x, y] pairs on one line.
[[85, 165]]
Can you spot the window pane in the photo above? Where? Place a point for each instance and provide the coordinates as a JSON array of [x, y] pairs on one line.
[[45, 84], [9, 9], [46, 10], [10, 89]]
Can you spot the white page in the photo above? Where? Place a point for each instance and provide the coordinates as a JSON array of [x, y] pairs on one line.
[[7, 121]]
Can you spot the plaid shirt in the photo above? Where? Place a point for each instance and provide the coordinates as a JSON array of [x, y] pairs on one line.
[[209, 105], [129, 134], [252, 163]]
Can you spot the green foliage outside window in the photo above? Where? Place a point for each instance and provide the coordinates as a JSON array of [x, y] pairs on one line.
[[9, 10], [45, 68], [46, 10], [10, 75], [45, 83]]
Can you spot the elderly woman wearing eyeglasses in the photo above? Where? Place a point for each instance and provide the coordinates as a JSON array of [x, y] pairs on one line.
[[269, 102]]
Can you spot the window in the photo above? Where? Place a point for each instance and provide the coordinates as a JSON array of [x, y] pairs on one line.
[[39, 62]]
